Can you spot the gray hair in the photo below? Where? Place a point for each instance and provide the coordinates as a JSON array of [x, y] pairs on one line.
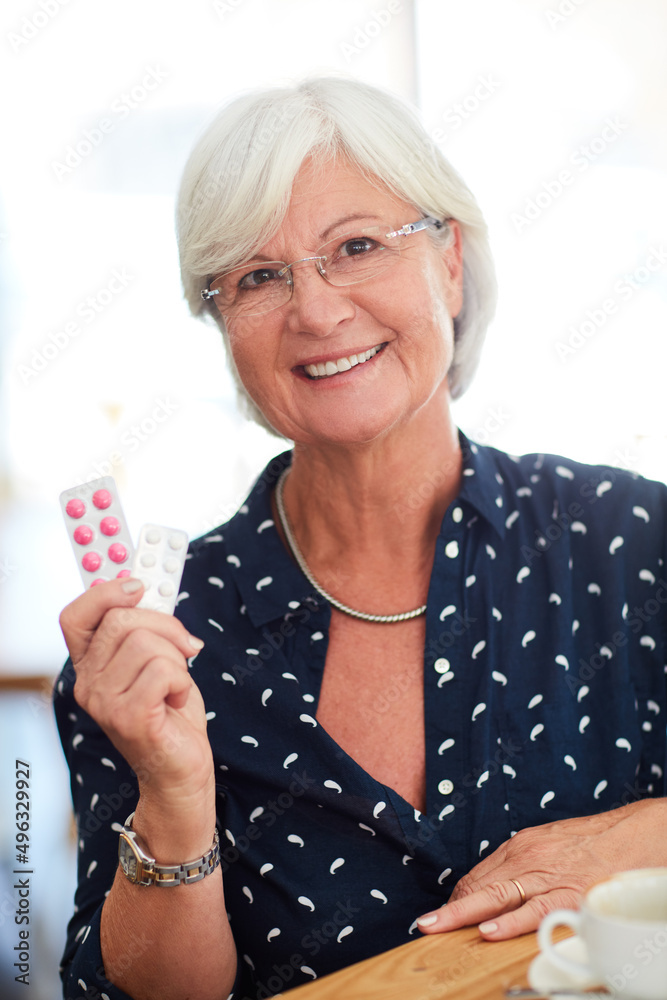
[[237, 183]]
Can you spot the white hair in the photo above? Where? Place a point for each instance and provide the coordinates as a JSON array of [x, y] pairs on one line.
[[237, 183]]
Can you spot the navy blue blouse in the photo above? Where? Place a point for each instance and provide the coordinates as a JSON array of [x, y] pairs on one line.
[[544, 694]]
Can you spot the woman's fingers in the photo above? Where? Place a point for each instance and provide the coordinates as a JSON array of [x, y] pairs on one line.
[[498, 910], [490, 901], [99, 691], [80, 619], [132, 678], [527, 917], [149, 707], [98, 621]]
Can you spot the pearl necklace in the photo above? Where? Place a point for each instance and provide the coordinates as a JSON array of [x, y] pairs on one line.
[[296, 552]]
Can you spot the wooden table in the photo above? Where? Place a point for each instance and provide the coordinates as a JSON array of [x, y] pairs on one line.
[[459, 966]]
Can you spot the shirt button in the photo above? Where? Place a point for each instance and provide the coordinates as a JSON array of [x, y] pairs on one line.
[[441, 665], [446, 787]]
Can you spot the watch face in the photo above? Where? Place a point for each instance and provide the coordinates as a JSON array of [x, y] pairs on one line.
[[127, 858]]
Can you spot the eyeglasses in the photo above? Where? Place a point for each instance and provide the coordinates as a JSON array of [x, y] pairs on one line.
[[261, 286]]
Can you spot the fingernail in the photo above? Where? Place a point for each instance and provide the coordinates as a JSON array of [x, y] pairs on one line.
[[427, 921], [488, 928], [131, 586], [196, 643]]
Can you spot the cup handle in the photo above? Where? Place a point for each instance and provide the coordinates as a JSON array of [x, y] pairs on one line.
[[561, 918]]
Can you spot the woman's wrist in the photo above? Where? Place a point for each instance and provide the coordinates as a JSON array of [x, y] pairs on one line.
[[174, 832]]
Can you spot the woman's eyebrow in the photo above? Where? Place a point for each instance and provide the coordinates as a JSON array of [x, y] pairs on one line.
[[353, 217], [344, 220]]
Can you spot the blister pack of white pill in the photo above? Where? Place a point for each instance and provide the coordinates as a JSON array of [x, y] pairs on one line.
[[158, 563], [103, 548]]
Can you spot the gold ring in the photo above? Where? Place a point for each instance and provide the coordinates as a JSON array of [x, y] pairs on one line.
[[520, 888]]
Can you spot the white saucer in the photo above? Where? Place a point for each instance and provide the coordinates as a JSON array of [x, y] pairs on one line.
[[543, 975]]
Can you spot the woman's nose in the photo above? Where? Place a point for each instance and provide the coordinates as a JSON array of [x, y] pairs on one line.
[[316, 306]]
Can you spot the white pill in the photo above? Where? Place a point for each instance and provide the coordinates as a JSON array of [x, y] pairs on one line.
[[152, 536]]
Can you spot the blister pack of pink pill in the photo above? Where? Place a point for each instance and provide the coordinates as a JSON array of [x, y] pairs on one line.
[[103, 547]]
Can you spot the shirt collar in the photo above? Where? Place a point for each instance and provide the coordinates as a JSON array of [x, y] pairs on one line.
[[268, 579], [483, 485]]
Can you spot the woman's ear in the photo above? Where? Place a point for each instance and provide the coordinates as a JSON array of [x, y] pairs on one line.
[[452, 255]]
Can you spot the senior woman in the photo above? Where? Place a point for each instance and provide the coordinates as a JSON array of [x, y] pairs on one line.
[[431, 673]]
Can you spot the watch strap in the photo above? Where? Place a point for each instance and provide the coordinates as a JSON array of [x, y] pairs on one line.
[[183, 874]]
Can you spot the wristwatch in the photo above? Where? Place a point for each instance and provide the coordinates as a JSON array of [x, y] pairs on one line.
[[141, 869]]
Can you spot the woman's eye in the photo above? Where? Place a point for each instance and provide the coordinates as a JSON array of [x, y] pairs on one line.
[[357, 246], [258, 277]]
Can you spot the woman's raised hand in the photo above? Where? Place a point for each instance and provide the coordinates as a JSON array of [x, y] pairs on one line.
[[132, 678]]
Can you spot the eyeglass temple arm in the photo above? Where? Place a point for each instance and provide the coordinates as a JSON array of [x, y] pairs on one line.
[[415, 227]]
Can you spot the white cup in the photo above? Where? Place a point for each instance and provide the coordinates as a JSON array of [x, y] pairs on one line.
[[623, 923]]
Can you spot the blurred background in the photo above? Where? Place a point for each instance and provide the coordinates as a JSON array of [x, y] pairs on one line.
[[554, 111]]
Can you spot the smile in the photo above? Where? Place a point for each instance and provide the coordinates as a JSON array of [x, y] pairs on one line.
[[328, 368]]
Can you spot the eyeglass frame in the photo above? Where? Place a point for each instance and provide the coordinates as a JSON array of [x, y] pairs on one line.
[[406, 230]]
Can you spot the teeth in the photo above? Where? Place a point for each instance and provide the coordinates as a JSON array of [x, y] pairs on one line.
[[322, 370]]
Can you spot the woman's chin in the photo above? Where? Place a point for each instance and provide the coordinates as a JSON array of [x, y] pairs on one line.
[[345, 427]]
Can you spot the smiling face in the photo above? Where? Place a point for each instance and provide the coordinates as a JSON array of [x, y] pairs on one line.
[[349, 363]]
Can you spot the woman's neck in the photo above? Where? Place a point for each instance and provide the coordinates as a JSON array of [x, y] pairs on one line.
[[366, 517]]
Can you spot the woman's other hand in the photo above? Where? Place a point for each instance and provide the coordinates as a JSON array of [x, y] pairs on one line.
[[553, 864]]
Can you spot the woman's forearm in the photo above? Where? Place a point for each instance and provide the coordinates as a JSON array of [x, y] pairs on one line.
[[175, 942]]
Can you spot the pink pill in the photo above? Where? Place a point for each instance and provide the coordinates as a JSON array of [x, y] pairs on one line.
[[100, 579], [76, 508], [117, 552], [109, 525], [83, 534], [123, 572], [102, 499], [91, 561]]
